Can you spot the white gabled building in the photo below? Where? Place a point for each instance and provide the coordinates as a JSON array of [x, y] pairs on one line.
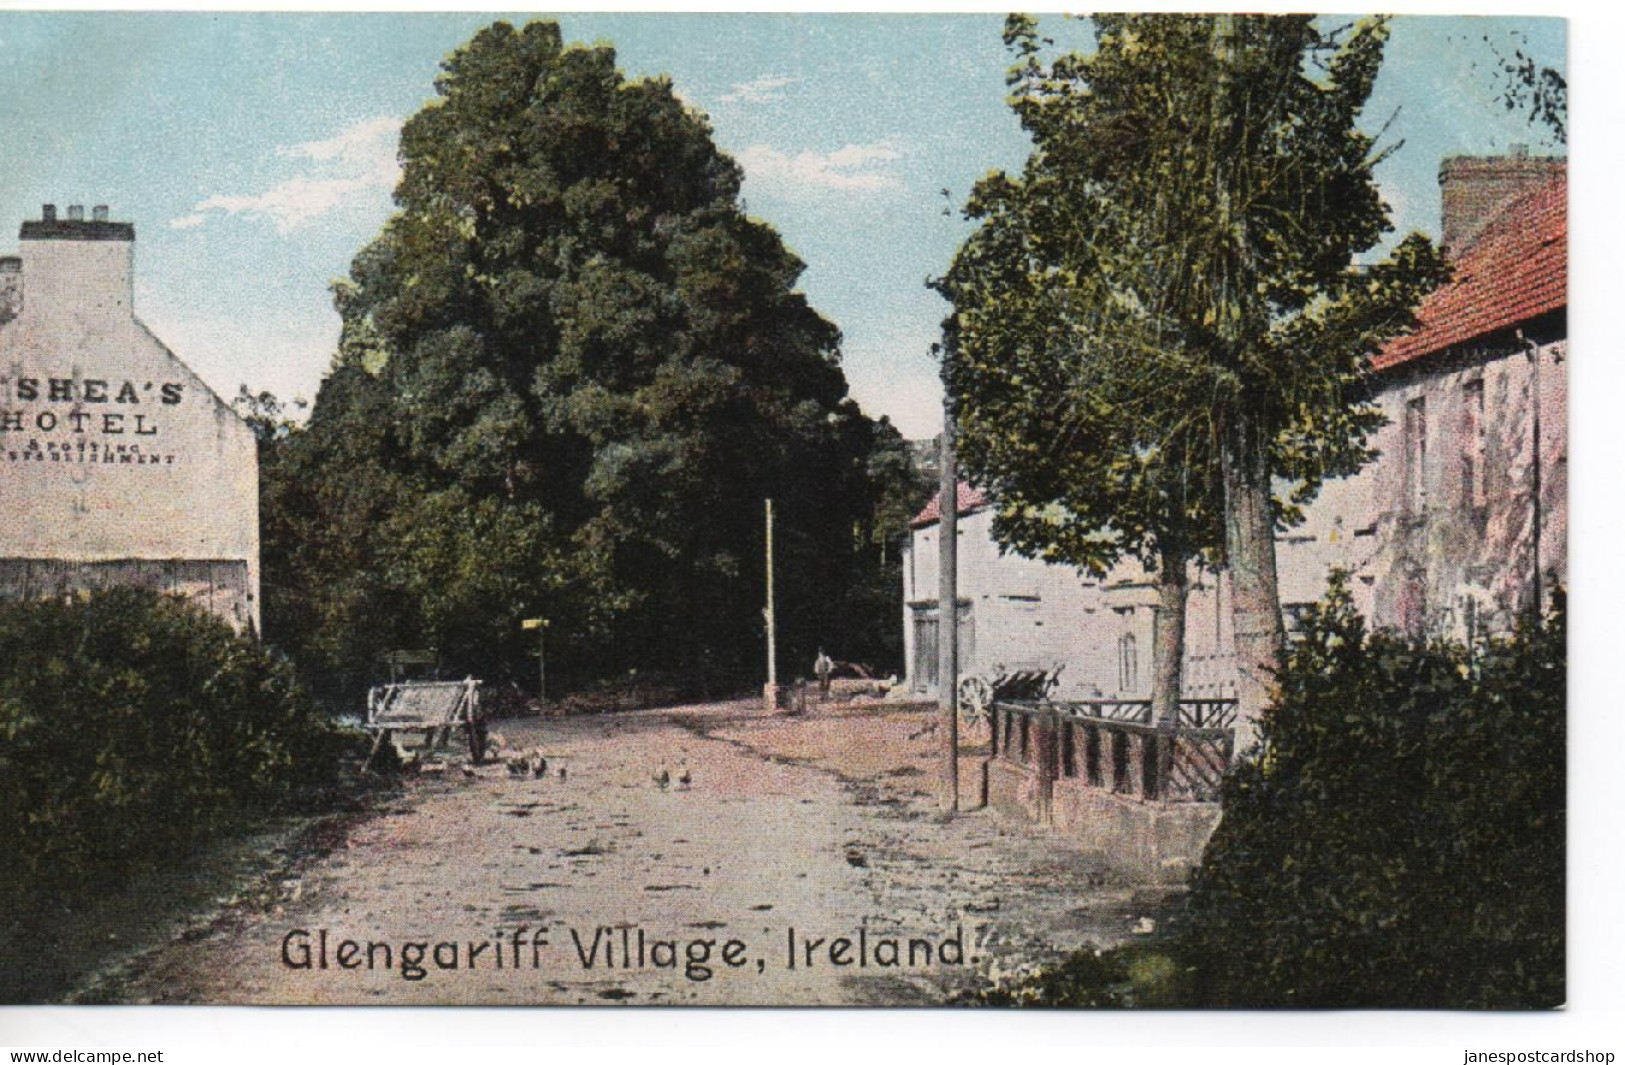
[[118, 465], [1018, 613]]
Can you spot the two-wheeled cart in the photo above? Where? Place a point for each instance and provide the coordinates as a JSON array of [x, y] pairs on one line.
[[433, 707]]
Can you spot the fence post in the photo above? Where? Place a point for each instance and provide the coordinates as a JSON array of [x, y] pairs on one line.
[[1045, 751]]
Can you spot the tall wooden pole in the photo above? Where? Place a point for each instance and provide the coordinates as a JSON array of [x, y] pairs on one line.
[[540, 626], [770, 693], [948, 611]]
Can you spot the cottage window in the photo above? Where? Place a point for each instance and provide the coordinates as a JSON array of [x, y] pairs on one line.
[[1472, 443], [1294, 618], [1413, 607], [1416, 453], [1128, 663]]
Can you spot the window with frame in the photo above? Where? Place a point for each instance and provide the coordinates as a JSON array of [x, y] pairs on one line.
[[1472, 443], [1128, 663], [1472, 624], [1416, 454], [1294, 619]]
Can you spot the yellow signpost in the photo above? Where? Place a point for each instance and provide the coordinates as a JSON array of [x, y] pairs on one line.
[[540, 627]]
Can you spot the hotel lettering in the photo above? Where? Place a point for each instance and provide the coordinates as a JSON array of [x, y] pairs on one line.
[[118, 464]]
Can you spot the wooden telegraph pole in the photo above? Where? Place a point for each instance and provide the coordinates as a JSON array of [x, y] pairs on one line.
[[770, 692], [948, 609]]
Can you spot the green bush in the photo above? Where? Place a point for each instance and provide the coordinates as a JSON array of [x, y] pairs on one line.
[[133, 724], [1401, 842]]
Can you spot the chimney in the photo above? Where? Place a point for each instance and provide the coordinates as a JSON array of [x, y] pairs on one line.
[[11, 287], [99, 212], [77, 268], [1474, 188]]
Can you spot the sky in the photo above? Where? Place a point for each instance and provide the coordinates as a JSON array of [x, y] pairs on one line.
[[255, 153]]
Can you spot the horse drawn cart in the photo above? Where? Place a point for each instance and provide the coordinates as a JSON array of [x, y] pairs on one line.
[[433, 707]]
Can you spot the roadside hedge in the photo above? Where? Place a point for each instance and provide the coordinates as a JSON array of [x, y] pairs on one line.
[[132, 725], [1401, 841]]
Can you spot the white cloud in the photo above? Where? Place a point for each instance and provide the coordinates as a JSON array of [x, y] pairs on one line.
[[762, 90], [368, 144], [358, 162], [854, 168]]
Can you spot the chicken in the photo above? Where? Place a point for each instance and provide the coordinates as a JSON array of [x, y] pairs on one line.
[[537, 764], [563, 772], [663, 778], [686, 779], [518, 767]]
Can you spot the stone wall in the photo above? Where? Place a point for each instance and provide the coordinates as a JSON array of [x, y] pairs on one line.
[[1036, 774]]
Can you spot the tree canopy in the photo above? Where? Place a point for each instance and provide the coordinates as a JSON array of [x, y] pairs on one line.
[[571, 369], [1163, 311]]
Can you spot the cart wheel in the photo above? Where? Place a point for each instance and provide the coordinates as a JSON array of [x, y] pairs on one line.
[[975, 706], [975, 696], [476, 741]]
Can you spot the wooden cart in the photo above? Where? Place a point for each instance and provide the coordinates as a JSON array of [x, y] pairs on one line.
[[433, 707]]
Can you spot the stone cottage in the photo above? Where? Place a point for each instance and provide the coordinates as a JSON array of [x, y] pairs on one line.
[[118, 465]]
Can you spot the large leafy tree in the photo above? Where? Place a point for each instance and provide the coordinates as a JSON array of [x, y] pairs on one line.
[[1163, 314], [571, 370]]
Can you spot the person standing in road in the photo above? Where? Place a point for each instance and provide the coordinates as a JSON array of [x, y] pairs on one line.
[[823, 667]]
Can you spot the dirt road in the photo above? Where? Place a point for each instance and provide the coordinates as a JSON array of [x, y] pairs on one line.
[[805, 861]]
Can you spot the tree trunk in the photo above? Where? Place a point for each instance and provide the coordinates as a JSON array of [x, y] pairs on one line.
[[1168, 648], [1255, 606]]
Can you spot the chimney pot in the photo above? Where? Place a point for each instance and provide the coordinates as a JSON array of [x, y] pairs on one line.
[[1474, 189], [48, 212], [99, 213], [76, 213]]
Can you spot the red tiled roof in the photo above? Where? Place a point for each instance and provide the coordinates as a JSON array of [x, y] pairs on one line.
[[1518, 268], [968, 498]]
